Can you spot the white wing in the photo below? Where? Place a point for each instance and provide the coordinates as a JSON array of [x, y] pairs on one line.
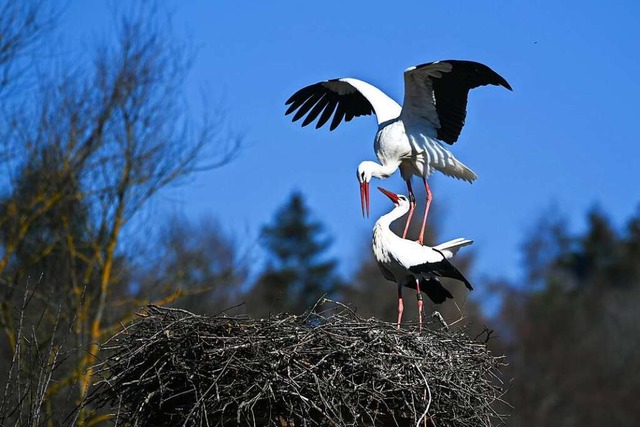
[[406, 257], [435, 96], [419, 106], [344, 99], [409, 253]]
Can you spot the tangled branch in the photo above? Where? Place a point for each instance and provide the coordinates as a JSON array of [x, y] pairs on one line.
[[326, 367]]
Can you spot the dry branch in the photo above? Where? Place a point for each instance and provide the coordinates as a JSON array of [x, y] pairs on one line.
[[326, 367]]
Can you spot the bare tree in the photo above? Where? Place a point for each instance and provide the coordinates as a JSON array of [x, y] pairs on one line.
[[22, 26], [83, 155], [197, 259]]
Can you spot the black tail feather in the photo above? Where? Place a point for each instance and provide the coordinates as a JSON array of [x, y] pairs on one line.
[[434, 290]]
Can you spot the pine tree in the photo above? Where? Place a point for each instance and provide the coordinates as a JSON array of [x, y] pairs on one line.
[[579, 306], [297, 271]]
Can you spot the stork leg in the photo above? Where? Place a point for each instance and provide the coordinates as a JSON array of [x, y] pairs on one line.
[[420, 304], [426, 211], [400, 305], [412, 206]]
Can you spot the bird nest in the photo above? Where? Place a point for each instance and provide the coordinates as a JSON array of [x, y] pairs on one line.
[[326, 367]]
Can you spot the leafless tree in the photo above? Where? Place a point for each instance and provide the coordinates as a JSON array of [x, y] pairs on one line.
[[83, 154], [22, 27], [197, 259]]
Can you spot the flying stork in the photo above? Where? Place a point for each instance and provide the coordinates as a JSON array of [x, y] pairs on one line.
[[408, 137], [411, 264]]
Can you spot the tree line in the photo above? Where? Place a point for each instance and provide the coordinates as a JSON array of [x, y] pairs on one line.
[[85, 146]]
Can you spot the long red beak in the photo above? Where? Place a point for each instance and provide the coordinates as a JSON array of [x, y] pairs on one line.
[[389, 194], [364, 198]]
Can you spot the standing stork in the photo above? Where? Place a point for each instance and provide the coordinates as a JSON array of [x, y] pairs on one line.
[[410, 264], [408, 137]]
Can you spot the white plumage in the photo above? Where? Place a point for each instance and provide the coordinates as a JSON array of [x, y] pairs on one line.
[[409, 137], [410, 264]]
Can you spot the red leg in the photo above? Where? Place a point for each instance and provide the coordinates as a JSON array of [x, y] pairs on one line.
[[420, 304], [412, 206], [426, 211], [400, 305]]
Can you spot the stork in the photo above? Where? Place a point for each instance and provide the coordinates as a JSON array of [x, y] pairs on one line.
[[408, 137], [411, 264]]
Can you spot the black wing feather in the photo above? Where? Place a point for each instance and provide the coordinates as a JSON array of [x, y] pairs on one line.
[[386, 273], [308, 104], [451, 91], [315, 111], [337, 117], [320, 100], [298, 98], [441, 269], [326, 114], [432, 288]]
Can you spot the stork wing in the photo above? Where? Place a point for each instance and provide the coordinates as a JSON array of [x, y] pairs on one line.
[[386, 273], [437, 93], [344, 98], [432, 288], [441, 269]]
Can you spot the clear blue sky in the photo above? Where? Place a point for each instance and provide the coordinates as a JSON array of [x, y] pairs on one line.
[[567, 134]]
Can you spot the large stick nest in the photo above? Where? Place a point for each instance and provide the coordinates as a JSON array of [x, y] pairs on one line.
[[326, 367]]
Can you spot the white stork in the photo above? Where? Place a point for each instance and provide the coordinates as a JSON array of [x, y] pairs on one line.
[[410, 264], [408, 137]]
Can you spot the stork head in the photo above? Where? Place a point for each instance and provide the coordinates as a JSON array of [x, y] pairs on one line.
[[365, 172], [397, 199]]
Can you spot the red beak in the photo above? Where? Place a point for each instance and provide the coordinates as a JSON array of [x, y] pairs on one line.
[[389, 194], [364, 197]]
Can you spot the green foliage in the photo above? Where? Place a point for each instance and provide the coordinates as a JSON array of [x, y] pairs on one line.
[[297, 272]]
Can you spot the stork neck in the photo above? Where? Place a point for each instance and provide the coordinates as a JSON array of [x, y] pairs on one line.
[[386, 109], [398, 212], [385, 170]]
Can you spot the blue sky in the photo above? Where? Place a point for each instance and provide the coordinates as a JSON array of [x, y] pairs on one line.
[[566, 136]]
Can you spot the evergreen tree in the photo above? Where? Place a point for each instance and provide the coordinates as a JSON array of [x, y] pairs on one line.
[[572, 329], [297, 272]]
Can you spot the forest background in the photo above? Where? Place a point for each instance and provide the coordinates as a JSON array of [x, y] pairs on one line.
[[126, 181]]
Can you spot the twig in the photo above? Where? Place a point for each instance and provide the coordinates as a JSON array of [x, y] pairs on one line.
[[327, 367]]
